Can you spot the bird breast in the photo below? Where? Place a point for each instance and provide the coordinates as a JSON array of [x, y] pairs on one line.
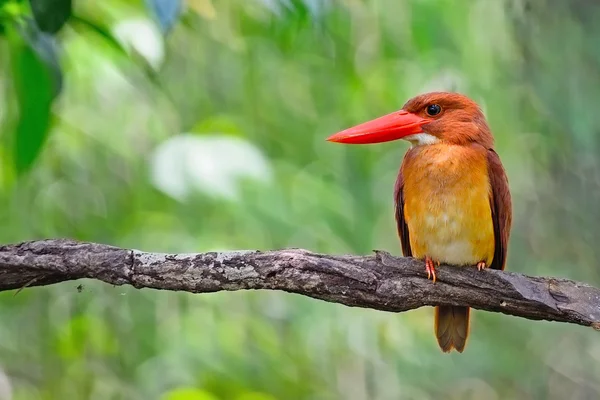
[[447, 209]]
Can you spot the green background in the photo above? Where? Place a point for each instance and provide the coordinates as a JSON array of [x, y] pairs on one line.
[[211, 136]]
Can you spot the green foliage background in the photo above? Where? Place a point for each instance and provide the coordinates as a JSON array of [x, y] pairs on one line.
[[282, 76]]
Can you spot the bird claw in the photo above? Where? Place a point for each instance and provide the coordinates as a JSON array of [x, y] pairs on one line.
[[430, 268], [481, 265]]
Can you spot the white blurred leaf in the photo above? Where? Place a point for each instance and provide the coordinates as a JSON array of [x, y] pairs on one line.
[[211, 164], [140, 35]]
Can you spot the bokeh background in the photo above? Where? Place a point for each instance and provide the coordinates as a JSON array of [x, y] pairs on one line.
[[209, 135]]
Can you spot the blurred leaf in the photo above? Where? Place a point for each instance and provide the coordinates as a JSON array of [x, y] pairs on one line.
[[10, 11], [100, 30], [188, 394], [213, 164], [224, 124], [46, 48], [51, 15], [142, 39], [165, 12], [37, 80]]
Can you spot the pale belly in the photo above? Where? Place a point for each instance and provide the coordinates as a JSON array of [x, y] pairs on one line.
[[449, 216]]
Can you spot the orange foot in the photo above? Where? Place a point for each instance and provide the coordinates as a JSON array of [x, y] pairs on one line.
[[481, 265], [430, 268]]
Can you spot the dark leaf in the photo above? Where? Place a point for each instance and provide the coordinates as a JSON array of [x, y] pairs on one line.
[[37, 81], [51, 15], [165, 12], [46, 48]]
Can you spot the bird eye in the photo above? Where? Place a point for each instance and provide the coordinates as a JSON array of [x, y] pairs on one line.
[[433, 109]]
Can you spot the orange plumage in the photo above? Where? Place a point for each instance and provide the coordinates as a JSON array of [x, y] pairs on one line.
[[452, 198]]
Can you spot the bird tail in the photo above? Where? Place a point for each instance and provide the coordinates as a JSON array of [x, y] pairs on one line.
[[452, 327]]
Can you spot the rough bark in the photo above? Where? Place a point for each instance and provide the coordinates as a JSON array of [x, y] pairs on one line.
[[379, 281]]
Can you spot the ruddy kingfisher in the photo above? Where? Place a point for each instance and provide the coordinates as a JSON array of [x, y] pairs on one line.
[[452, 200]]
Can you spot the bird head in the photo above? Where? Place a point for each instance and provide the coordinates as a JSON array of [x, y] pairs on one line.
[[437, 117]]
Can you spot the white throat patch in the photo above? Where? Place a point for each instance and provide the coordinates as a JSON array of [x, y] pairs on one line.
[[420, 139]]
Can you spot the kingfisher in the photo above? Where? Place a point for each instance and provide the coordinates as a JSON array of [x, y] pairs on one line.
[[452, 198]]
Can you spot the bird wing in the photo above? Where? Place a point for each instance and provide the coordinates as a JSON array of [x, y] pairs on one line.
[[399, 205], [501, 205]]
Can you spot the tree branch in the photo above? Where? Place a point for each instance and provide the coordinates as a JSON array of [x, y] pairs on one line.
[[380, 282]]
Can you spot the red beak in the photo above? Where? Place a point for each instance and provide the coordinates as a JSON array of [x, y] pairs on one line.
[[383, 129]]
